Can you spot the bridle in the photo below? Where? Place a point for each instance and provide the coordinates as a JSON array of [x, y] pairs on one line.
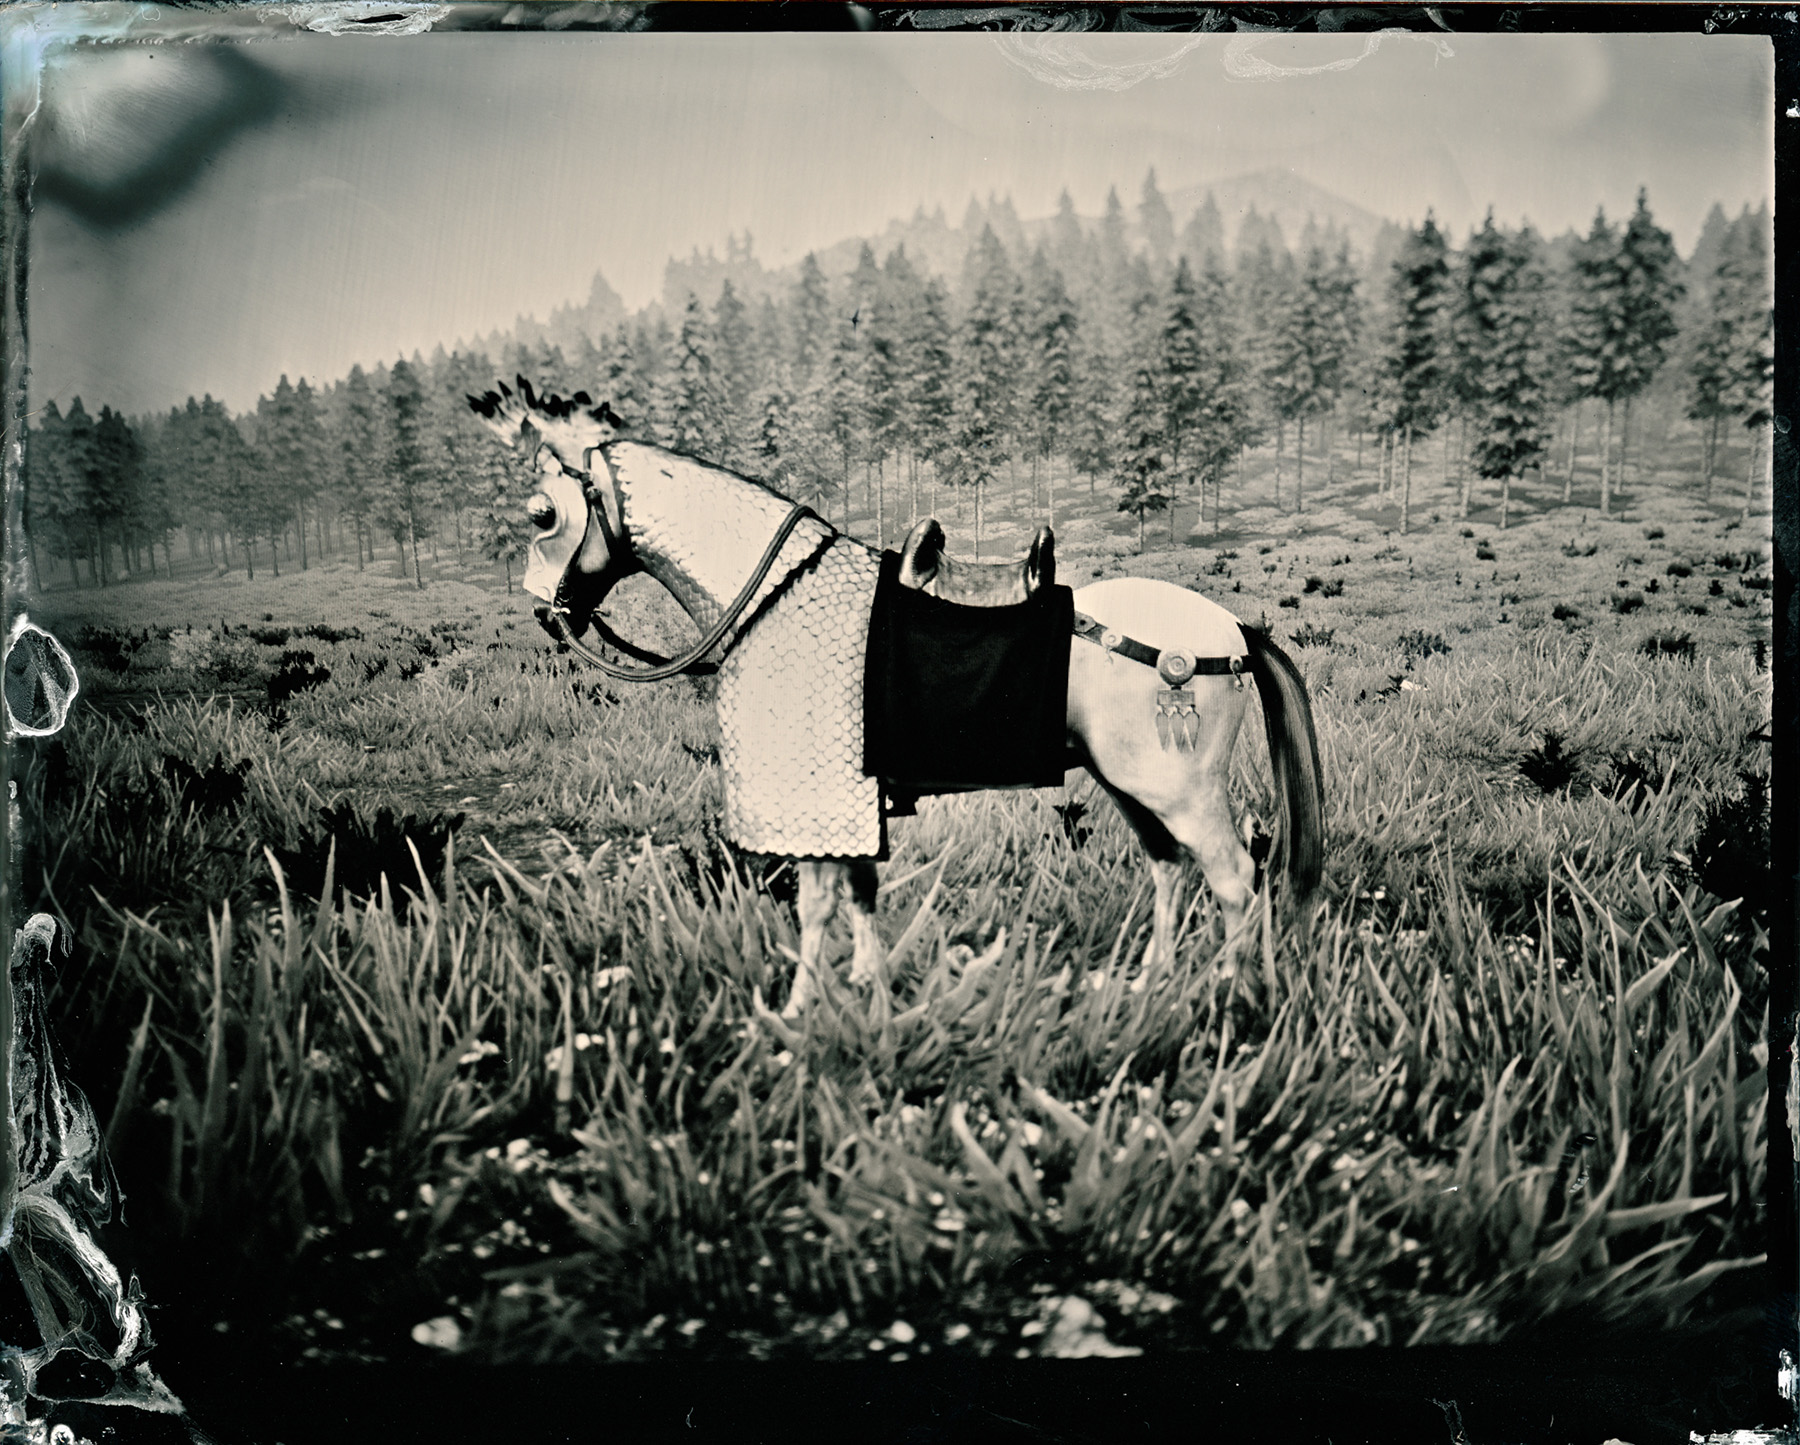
[[558, 618]]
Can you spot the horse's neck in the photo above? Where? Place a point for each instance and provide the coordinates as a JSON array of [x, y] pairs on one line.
[[697, 530]]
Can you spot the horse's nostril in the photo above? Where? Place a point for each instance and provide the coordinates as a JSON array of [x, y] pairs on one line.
[[540, 509]]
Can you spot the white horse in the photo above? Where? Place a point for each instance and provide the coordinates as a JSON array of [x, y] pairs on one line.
[[700, 530]]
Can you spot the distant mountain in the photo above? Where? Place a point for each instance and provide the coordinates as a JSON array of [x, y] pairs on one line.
[[938, 248], [1290, 201]]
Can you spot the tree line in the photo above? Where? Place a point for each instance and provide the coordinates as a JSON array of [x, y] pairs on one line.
[[1144, 360]]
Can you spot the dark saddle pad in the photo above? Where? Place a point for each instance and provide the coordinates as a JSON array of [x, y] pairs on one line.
[[958, 697]]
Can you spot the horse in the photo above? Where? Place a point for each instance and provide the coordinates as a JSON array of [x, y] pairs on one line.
[[713, 539]]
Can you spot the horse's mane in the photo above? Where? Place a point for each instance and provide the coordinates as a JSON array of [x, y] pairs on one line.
[[555, 407]]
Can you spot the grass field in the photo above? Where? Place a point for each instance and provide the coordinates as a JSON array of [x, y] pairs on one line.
[[380, 1081]]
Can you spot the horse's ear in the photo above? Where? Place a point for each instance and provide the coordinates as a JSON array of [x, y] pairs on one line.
[[526, 392], [1040, 561], [922, 553], [505, 390], [482, 405], [581, 398], [605, 414]]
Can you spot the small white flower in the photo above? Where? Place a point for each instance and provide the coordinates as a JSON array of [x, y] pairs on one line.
[[442, 1333]]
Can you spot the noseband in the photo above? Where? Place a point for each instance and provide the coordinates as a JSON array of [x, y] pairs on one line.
[[561, 622]]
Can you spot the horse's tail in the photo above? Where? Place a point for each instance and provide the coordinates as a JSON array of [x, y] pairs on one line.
[[1294, 761]]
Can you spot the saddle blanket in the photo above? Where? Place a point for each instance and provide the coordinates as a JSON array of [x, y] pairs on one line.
[[791, 715], [960, 697]]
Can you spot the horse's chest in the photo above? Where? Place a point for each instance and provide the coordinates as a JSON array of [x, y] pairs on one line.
[[791, 717]]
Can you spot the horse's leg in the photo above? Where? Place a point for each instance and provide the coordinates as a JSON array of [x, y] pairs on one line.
[[818, 901], [1165, 866], [1173, 797], [1204, 825], [1166, 875], [869, 959]]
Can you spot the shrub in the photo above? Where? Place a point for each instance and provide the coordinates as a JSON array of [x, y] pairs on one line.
[[109, 646], [1333, 588], [1419, 644], [1289, 602], [361, 852], [1468, 531], [296, 678], [1653, 534], [1562, 612], [324, 633], [270, 636], [1715, 588], [1757, 584], [1550, 765], [1628, 603], [1574, 548], [1483, 552], [1730, 856], [1310, 635], [211, 793], [1642, 773], [1682, 647], [1678, 568], [1313, 584]]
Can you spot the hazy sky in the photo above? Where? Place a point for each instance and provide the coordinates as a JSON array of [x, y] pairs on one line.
[[377, 195]]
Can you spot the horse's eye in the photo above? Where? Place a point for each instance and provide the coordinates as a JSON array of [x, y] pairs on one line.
[[541, 510]]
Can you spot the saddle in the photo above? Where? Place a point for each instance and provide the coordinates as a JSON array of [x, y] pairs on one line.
[[926, 567], [967, 691]]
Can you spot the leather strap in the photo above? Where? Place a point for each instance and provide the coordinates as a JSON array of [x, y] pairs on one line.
[[686, 662], [1090, 629]]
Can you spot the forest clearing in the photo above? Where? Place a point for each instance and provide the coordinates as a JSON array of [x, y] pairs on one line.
[[506, 1084]]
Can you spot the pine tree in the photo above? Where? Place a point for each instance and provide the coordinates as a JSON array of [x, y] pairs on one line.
[[698, 417], [1222, 425], [1743, 278], [403, 507], [1626, 287], [1503, 307], [1419, 291], [361, 446], [1183, 376], [982, 375], [1651, 275], [930, 381], [902, 303], [1143, 447], [735, 373], [1155, 222], [1051, 369], [1203, 238]]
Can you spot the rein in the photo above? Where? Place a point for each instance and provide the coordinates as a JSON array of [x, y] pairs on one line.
[[689, 661]]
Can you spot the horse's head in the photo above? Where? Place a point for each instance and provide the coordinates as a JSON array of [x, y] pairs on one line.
[[577, 550], [926, 566]]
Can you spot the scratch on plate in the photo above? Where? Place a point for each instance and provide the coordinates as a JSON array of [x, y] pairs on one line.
[[363, 17], [1063, 61], [1243, 63]]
